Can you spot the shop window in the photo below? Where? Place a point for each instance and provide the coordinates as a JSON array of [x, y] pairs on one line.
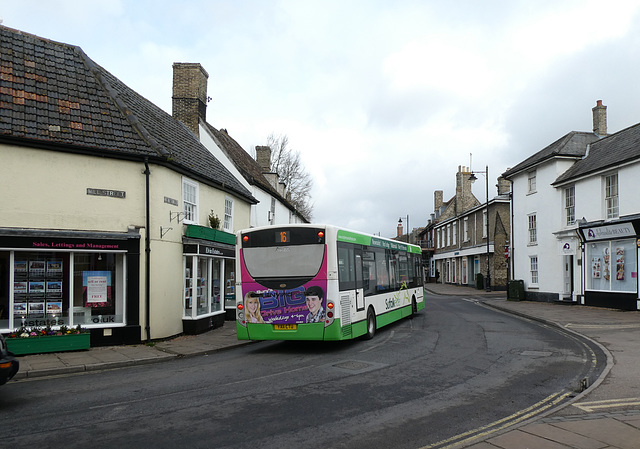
[[4, 290], [203, 280], [612, 266], [62, 289], [98, 288], [229, 281]]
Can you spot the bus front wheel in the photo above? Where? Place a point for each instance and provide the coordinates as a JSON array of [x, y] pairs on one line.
[[371, 324]]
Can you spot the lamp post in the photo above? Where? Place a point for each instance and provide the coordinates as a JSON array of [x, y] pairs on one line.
[[473, 178], [400, 223]]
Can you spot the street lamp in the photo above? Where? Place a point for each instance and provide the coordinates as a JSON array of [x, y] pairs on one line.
[[473, 178], [400, 223]]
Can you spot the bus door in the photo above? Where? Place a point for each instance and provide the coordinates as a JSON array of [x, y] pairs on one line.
[[359, 280]]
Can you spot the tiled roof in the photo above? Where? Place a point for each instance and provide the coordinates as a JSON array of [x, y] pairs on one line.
[[613, 150], [571, 145], [52, 95]]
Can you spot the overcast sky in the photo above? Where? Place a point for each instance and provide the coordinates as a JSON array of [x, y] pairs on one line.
[[383, 99]]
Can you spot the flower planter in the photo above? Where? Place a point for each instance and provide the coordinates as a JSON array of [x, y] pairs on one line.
[[49, 343]]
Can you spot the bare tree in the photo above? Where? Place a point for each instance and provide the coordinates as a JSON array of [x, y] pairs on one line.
[[287, 164]]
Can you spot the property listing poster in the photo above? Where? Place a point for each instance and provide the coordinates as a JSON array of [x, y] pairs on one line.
[[38, 286], [96, 288]]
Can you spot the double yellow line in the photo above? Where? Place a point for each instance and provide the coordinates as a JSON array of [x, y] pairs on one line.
[[504, 423]]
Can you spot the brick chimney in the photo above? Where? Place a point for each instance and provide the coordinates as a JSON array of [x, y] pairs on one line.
[[189, 94], [463, 190], [438, 201], [599, 119], [400, 230]]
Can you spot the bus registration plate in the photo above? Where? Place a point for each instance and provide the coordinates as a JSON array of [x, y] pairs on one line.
[[285, 327]]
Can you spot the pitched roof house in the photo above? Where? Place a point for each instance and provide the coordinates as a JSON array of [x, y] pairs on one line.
[[103, 187], [577, 218]]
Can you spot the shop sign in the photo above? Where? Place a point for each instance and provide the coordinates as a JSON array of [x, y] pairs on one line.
[[568, 248], [610, 232], [208, 250], [106, 192], [214, 251]]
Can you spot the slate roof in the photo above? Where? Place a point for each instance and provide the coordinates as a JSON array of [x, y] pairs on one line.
[[571, 145], [53, 96], [610, 151]]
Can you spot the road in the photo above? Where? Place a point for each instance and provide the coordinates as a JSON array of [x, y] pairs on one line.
[[455, 367]]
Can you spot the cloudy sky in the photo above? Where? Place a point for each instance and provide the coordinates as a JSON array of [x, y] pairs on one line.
[[383, 99]]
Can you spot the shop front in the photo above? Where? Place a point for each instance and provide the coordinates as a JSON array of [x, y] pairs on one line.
[[611, 264], [64, 279], [209, 278]]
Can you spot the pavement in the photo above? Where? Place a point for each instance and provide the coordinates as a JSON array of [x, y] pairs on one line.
[[605, 415]]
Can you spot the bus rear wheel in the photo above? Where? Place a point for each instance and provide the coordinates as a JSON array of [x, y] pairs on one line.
[[371, 324]]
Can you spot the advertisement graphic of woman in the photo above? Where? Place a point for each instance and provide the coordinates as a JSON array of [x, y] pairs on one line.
[[315, 296], [252, 306]]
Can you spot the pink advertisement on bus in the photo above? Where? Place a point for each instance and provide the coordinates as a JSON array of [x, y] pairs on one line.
[[306, 303]]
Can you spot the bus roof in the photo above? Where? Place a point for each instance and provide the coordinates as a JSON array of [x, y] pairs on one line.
[[379, 242], [345, 235]]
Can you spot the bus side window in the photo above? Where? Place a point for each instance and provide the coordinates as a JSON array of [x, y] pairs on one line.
[[369, 273], [346, 267], [382, 270]]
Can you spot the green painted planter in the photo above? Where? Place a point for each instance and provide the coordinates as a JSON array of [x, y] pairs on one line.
[[49, 343]]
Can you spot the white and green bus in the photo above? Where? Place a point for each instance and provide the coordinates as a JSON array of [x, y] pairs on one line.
[[320, 282]]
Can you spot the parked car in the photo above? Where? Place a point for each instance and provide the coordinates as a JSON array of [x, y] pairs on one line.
[[9, 365]]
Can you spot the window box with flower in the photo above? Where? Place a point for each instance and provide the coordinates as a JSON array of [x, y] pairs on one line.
[[40, 340]]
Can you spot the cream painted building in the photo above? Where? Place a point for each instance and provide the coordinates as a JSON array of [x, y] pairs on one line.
[[106, 202]]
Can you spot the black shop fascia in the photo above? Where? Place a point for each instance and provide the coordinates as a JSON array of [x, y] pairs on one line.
[[610, 252], [70, 278]]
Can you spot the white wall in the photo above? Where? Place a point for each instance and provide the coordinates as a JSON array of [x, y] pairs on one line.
[[546, 204]]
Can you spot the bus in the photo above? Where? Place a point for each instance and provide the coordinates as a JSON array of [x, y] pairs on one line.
[[321, 282]]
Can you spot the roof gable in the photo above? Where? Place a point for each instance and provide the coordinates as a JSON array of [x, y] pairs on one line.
[[53, 95], [571, 145], [613, 150]]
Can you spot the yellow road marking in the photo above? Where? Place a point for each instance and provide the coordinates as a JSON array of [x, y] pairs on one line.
[[484, 431], [606, 404]]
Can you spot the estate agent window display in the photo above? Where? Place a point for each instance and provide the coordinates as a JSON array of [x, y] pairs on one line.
[[51, 288]]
